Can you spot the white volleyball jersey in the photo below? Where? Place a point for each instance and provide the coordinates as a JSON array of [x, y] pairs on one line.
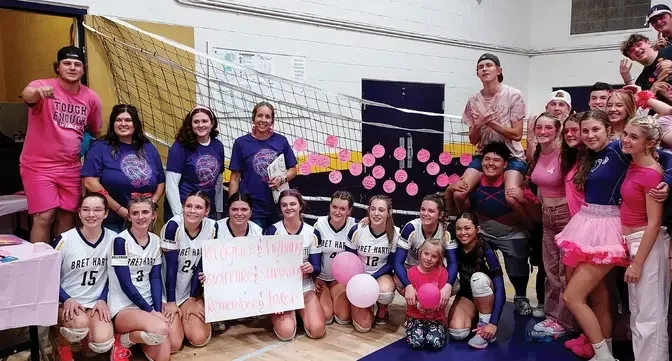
[[372, 249], [412, 238], [333, 243], [174, 237], [225, 231], [140, 261], [311, 245], [84, 265]]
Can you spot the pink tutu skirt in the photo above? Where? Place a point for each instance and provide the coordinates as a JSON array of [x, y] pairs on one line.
[[594, 235]]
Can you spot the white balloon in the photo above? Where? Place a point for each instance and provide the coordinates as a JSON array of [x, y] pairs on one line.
[[362, 290]]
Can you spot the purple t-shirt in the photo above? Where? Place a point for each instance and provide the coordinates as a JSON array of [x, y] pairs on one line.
[[125, 173], [251, 157], [199, 167]]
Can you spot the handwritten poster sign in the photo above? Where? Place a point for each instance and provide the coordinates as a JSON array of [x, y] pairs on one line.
[[251, 276]]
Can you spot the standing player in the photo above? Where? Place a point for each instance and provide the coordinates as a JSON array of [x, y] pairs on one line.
[[495, 114], [334, 230], [83, 291], [181, 239], [60, 109], [135, 285], [292, 205], [375, 245]]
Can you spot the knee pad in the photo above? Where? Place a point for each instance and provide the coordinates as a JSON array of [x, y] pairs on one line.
[[310, 335], [207, 340], [152, 339], [101, 347], [480, 285], [385, 298], [459, 333], [74, 334], [360, 328], [341, 322], [330, 321], [285, 339]]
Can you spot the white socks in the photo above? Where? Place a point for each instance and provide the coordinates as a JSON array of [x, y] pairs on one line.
[[125, 340], [609, 344], [602, 351], [484, 317]]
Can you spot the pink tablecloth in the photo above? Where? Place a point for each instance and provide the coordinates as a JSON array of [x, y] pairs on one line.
[[29, 286]]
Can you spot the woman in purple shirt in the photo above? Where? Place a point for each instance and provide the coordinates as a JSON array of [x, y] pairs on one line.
[[250, 157], [121, 163]]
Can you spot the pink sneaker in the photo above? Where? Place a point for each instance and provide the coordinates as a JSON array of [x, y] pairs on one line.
[[577, 341], [584, 350], [549, 325]]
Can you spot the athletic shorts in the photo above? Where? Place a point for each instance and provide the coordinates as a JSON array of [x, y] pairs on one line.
[[52, 188], [513, 164], [515, 252]]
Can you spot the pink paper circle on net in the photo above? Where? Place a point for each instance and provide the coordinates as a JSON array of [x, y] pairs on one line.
[[335, 176], [332, 141], [399, 153], [442, 180], [378, 151], [445, 158], [423, 155], [453, 178], [465, 159], [389, 186], [412, 189], [344, 155], [369, 160], [433, 168], [324, 161], [355, 169], [368, 182], [378, 172], [314, 159], [400, 176], [300, 144], [304, 168]]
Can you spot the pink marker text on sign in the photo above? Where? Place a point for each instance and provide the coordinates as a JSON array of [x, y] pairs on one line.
[[378, 151], [423, 155], [335, 176], [378, 172], [412, 189], [399, 153], [369, 160], [300, 144], [445, 158], [465, 159], [368, 182], [305, 168], [344, 155], [400, 176], [355, 169], [389, 186], [433, 168], [332, 141]]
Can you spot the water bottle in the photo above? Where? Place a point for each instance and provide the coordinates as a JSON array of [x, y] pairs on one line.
[[537, 336]]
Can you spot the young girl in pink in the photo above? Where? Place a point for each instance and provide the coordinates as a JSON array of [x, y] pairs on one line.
[[426, 328], [649, 245]]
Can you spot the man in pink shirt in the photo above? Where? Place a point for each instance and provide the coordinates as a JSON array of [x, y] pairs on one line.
[[60, 109]]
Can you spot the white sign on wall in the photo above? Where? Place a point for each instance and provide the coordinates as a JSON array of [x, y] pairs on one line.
[[251, 276], [284, 66]]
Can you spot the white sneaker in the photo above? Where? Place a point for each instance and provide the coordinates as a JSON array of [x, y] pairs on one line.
[[538, 312]]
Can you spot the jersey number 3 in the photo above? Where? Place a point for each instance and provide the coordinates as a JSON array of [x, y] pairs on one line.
[[89, 278]]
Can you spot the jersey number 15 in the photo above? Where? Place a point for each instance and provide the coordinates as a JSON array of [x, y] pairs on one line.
[[89, 278]]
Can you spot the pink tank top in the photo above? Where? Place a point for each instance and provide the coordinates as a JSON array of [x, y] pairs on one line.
[[638, 181], [548, 176], [575, 197]]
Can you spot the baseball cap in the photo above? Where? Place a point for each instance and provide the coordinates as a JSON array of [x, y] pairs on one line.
[[70, 52], [560, 95], [655, 11], [494, 59]]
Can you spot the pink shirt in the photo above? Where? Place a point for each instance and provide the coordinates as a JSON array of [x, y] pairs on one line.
[[438, 277], [638, 181], [509, 107], [547, 175], [575, 197], [56, 126]]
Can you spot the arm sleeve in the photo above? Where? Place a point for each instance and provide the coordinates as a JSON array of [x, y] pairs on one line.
[[173, 192], [451, 260], [171, 274], [387, 267], [315, 256], [123, 272], [498, 282], [106, 290], [155, 286], [399, 268], [195, 283], [62, 295], [270, 231], [219, 194]]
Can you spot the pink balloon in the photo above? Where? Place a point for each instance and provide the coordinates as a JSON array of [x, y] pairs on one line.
[[369, 182], [300, 144], [344, 155], [362, 290], [465, 159], [433, 168], [368, 159], [355, 169], [412, 189], [399, 153], [429, 296], [445, 158], [332, 141], [335, 176], [305, 168], [423, 155], [314, 159], [442, 180], [389, 186], [378, 151], [378, 172], [400, 176], [345, 266]]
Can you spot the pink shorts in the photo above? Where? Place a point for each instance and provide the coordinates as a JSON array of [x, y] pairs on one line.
[[52, 188]]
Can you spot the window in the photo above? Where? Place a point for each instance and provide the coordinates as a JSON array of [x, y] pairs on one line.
[[596, 16]]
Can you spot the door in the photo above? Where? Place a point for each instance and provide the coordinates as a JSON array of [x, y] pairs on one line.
[[415, 96]]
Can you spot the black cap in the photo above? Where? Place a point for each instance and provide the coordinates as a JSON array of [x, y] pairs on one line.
[[657, 10], [494, 59], [70, 52]]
